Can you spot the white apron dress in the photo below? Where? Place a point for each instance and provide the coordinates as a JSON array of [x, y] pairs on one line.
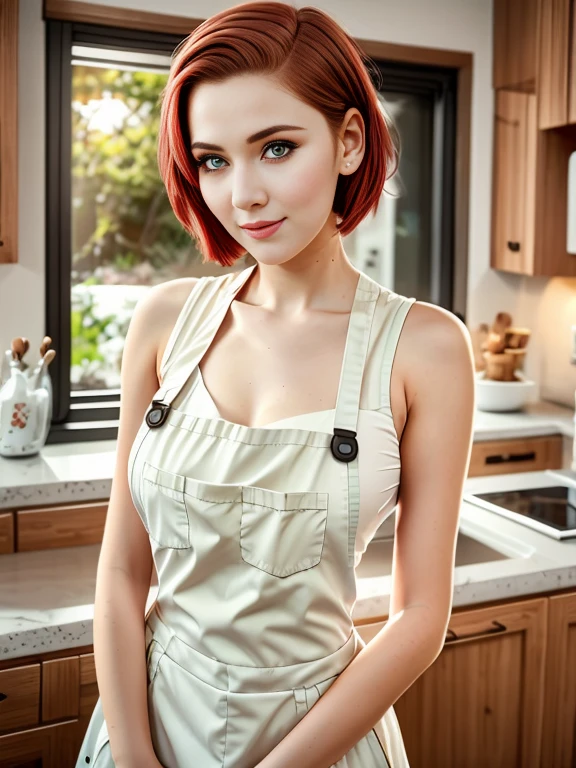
[[253, 536]]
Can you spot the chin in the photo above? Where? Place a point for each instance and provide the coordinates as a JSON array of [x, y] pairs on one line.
[[270, 261]]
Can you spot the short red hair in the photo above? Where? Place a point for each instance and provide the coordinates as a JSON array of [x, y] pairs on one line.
[[316, 60]]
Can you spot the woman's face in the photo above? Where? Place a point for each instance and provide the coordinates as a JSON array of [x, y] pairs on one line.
[[288, 174]]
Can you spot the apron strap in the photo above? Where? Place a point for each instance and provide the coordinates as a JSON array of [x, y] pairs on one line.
[[165, 396], [344, 445]]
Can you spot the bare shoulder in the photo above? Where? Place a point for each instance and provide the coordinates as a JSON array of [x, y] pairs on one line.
[[162, 305], [434, 349]]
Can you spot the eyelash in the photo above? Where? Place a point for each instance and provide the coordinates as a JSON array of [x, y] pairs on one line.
[[201, 162]]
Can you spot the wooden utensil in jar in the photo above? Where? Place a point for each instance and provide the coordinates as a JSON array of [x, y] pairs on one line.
[[499, 366], [518, 355], [517, 338], [20, 345], [46, 341], [502, 322]]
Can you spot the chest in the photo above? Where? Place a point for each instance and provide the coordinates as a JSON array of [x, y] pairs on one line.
[[259, 370]]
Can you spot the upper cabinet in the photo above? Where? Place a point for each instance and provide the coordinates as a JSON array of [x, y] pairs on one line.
[[534, 135], [515, 44], [529, 191], [513, 191], [556, 82], [535, 51], [8, 131]]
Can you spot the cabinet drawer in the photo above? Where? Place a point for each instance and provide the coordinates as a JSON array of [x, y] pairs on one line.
[[497, 457], [19, 697], [69, 525]]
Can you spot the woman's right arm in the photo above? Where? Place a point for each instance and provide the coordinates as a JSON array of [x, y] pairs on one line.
[[125, 564]]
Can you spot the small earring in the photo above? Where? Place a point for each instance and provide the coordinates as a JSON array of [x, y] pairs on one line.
[[347, 164]]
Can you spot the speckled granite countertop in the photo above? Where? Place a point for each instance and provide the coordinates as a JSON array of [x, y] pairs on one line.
[[47, 597], [75, 472]]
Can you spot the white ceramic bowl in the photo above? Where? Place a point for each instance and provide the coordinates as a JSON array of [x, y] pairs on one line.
[[501, 396]]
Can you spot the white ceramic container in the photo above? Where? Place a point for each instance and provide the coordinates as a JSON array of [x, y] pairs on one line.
[[499, 396]]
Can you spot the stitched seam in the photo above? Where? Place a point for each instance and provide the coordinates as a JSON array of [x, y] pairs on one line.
[[227, 721], [162, 544], [143, 515], [307, 508], [243, 442], [247, 666]]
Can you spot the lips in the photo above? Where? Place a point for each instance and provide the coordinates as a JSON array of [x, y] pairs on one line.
[[259, 224]]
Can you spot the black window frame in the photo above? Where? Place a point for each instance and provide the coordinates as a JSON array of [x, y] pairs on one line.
[[94, 415]]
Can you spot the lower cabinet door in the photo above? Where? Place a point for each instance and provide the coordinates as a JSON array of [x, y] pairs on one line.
[[481, 702], [51, 746]]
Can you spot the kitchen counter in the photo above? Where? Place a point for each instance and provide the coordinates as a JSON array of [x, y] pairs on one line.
[[47, 597], [76, 472]]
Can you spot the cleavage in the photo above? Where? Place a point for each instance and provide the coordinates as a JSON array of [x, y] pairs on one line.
[[269, 373]]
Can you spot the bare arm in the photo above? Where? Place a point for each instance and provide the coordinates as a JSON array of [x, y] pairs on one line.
[[125, 563], [435, 454]]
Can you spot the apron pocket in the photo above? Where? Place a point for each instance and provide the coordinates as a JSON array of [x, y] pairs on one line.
[[256, 723], [282, 533], [163, 498]]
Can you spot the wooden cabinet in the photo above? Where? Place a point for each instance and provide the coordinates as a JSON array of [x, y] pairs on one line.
[[572, 76], [515, 44], [52, 746], [535, 51], [20, 697], [6, 533], [559, 731], [529, 190], [514, 193], [53, 527], [556, 81], [8, 130], [534, 135], [45, 709], [534, 454], [481, 702], [65, 525]]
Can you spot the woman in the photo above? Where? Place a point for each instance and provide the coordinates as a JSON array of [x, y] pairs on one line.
[[266, 416]]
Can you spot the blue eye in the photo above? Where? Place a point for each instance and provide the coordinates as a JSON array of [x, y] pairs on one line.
[[201, 162]]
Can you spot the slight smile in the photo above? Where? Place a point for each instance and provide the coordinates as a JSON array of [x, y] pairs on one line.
[[263, 231]]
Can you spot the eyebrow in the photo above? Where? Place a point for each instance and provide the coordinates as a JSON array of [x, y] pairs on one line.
[[251, 139]]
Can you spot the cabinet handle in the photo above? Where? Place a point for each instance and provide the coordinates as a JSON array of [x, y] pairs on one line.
[[513, 245], [502, 458], [493, 630]]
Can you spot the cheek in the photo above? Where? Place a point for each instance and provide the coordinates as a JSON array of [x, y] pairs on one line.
[[313, 186], [215, 196]]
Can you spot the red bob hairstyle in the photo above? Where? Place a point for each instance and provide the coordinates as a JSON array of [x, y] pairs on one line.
[[316, 60]]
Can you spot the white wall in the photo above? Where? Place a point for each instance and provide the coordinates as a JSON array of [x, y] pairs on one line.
[[548, 307]]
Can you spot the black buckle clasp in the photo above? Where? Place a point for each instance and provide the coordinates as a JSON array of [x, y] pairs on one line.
[[344, 445], [157, 414]]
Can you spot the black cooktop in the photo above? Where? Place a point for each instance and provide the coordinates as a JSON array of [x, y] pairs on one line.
[[554, 506]]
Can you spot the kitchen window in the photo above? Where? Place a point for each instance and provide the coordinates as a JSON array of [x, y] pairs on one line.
[[111, 233]]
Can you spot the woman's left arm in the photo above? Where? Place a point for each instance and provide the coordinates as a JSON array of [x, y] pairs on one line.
[[435, 453]]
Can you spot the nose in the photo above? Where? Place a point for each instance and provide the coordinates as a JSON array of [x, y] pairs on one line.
[[248, 188]]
